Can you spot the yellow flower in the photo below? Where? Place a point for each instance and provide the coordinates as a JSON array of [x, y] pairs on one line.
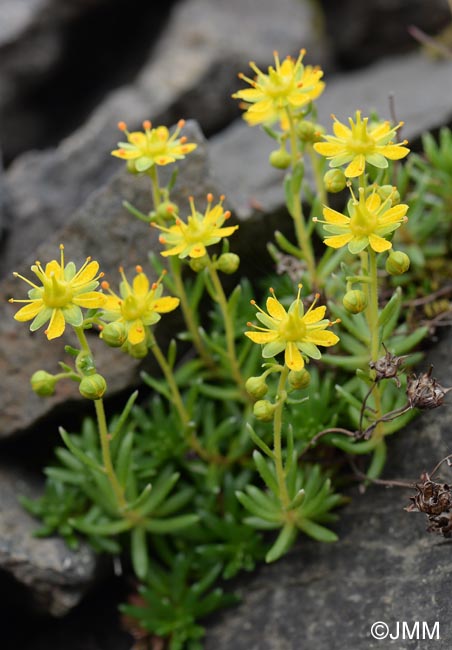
[[361, 143], [287, 86], [153, 147], [370, 221], [63, 292], [295, 332], [201, 230], [137, 306]]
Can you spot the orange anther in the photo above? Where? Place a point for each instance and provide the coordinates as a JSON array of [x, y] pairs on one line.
[[139, 269], [105, 284], [147, 124], [183, 139], [122, 126], [181, 124]]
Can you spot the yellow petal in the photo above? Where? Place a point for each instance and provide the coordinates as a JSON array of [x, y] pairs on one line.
[[332, 216], [356, 167], [249, 95], [197, 250], [275, 308], [337, 241], [53, 268], [162, 133], [86, 275], [262, 337], [140, 285], [373, 202], [393, 214], [137, 137], [112, 303], [322, 337], [379, 244], [394, 151], [380, 130], [174, 251], [341, 131], [314, 315], [136, 333], [329, 149], [56, 325], [293, 357], [90, 300], [29, 311], [125, 155], [166, 304]]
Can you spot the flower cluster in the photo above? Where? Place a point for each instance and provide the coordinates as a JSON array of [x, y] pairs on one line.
[[137, 306], [63, 293], [370, 221], [201, 230], [293, 331], [361, 143], [152, 147], [288, 86]]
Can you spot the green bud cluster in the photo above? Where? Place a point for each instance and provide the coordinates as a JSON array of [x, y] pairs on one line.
[[355, 301]]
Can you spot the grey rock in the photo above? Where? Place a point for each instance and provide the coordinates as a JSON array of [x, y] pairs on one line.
[[55, 576], [239, 154], [362, 32], [384, 567], [106, 231], [190, 73]]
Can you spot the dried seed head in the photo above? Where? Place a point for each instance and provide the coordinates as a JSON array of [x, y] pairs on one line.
[[387, 367], [441, 524], [424, 392], [432, 498]]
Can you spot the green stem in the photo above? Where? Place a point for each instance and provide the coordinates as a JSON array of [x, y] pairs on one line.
[[174, 389], [189, 316], [277, 429], [317, 164], [103, 433], [155, 187], [228, 327], [303, 239], [190, 435]]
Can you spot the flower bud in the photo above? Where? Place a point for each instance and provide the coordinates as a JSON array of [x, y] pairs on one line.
[[198, 264], [43, 383], [114, 334], [263, 410], [397, 263], [93, 386], [386, 191], [280, 158], [309, 132], [167, 210], [299, 379], [131, 168], [138, 351], [228, 263], [256, 387], [85, 363], [355, 301], [334, 180]]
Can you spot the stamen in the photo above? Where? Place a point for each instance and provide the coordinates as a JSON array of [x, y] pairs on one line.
[[122, 126], [147, 125], [32, 284], [139, 269]]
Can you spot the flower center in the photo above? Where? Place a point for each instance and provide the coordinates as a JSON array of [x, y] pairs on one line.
[[196, 231], [361, 145], [57, 293], [362, 222], [132, 308], [292, 328]]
